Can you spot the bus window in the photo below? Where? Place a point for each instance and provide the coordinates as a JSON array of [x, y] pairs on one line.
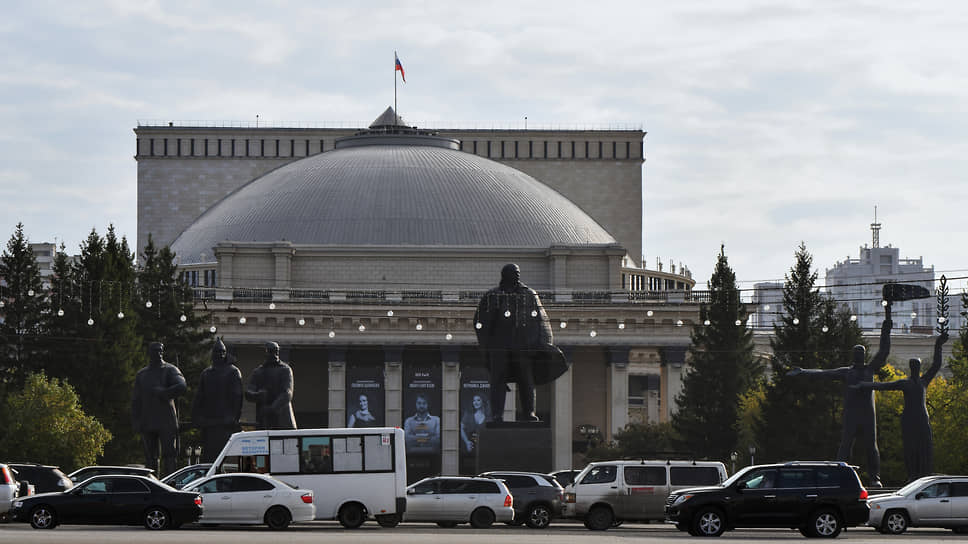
[[315, 455]]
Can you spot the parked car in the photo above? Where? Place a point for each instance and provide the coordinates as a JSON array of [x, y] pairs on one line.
[[111, 500], [82, 474], [538, 498], [606, 493], [252, 499], [566, 477], [932, 501], [44, 478], [449, 500], [181, 477], [818, 498], [10, 488]]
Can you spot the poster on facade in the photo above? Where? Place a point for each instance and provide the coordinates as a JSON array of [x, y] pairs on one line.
[[364, 396], [421, 409], [475, 410]]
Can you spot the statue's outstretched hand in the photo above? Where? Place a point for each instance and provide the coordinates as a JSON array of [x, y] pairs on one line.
[[795, 372]]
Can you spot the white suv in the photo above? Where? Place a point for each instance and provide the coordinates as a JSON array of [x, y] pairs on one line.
[[609, 492], [932, 501]]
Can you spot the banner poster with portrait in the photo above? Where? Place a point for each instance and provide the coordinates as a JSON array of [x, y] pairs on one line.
[[364, 396], [421, 409], [475, 410]]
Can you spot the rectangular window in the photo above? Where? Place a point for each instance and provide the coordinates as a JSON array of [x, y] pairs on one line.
[[530, 149], [322, 146], [502, 150], [559, 149], [545, 155], [475, 147], [796, 477], [586, 149], [460, 145], [277, 148], [645, 475], [489, 149], [614, 147], [347, 454], [376, 455], [232, 147], [572, 149], [315, 455], [628, 149], [178, 147], [165, 150], [515, 149], [219, 149], [292, 148], [192, 147], [247, 147], [206, 147], [599, 150], [694, 475]]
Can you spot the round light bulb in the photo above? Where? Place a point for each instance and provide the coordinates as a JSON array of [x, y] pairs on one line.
[[332, 334], [183, 318], [593, 334], [148, 304], [242, 321], [449, 336], [419, 326], [853, 318], [884, 303], [301, 322], [942, 319], [212, 329], [478, 325], [738, 322], [825, 328], [507, 313], [621, 326], [389, 313], [272, 305], [90, 321], [649, 313], [2, 304], [534, 313], [706, 322], [679, 323], [766, 307], [362, 327], [913, 315], [120, 315], [60, 313], [796, 320], [30, 292], [563, 324]]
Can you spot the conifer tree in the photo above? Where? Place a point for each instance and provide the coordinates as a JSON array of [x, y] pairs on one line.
[[23, 297], [721, 370], [801, 418]]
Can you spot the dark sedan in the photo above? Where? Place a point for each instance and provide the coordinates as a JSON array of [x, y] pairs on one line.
[[111, 500]]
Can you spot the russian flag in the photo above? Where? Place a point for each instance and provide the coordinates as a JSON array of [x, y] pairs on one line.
[[399, 67]]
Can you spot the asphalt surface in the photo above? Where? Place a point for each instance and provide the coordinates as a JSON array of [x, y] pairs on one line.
[[421, 533]]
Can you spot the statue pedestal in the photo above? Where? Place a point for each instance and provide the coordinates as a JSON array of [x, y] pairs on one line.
[[515, 445]]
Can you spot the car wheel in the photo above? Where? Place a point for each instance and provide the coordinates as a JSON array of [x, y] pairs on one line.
[[278, 518], [709, 522], [599, 518], [895, 522], [824, 524], [43, 517], [351, 515], [539, 517], [388, 521], [482, 518], [157, 519], [447, 524]]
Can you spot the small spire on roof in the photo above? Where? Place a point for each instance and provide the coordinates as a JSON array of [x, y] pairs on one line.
[[388, 118]]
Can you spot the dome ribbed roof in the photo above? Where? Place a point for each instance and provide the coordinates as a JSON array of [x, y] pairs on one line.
[[393, 190]]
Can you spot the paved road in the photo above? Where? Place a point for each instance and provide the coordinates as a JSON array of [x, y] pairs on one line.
[[417, 533]]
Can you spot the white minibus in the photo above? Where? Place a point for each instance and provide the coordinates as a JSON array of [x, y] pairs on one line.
[[355, 474]]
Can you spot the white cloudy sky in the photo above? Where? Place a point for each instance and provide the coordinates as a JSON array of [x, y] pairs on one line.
[[768, 123]]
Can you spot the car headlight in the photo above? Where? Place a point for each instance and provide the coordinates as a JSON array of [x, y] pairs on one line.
[[681, 499], [18, 504]]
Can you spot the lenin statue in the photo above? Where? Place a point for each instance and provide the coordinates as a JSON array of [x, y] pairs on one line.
[[153, 411], [270, 388], [514, 334], [218, 402]]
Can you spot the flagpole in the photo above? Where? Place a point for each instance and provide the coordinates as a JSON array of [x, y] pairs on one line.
[[395, 86]]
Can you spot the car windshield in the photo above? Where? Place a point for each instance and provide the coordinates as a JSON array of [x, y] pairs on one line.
[[732, 479], [911, 487]]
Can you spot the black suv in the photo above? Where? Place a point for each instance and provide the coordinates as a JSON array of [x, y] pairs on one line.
[[538, 498], [817, 497], [45, 478]]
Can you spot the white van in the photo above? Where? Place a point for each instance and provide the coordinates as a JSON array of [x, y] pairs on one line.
[[355, 474], [609, 492]]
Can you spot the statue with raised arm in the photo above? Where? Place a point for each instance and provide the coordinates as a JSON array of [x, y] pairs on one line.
[[915, 426], [218, 402], [270, 388], [153, 412], [859, 414]]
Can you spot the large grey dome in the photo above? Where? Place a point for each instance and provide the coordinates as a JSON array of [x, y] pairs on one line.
[[393, 190]]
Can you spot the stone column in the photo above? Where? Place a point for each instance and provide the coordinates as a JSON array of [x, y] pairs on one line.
[[337, 386], [225, 278], [562, 421], [559, 274], [450, 411], [282, 251], [393, 385], [618, 413]]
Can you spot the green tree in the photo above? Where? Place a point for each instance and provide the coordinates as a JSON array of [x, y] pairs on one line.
[[638, 441], [813, 332], [57, 431], [721, 370], [23, 297]]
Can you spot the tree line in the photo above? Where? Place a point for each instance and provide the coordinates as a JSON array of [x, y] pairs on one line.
[[731, 403], [71, 344]]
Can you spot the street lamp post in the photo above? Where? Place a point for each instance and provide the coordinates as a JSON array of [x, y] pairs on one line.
[[732, 462], [752, 455]]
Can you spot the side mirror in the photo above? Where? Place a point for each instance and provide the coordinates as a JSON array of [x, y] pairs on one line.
[[410, 491], [919, 496]]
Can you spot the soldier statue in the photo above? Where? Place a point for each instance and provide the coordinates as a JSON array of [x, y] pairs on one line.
[[270, 388], [218, 402], [153, 412]]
